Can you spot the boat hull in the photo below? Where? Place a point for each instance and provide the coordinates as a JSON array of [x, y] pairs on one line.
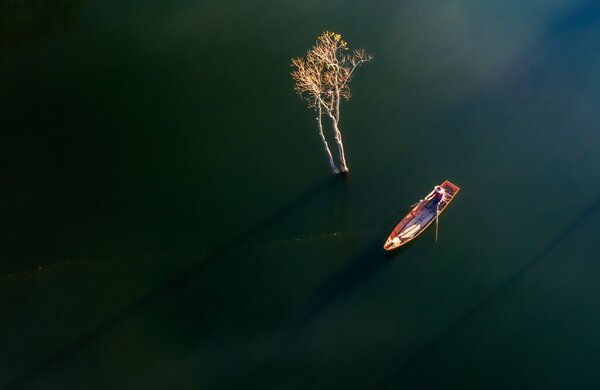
[[419, 218]]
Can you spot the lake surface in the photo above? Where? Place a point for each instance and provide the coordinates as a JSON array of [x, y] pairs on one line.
[[170, 220]]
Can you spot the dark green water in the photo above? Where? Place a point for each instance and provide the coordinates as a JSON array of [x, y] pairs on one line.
[[168, 215]]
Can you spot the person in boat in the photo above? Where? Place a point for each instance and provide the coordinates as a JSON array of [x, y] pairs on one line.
[[437, 195]]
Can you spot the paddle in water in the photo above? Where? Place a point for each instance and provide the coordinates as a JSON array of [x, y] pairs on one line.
[[437, 213]]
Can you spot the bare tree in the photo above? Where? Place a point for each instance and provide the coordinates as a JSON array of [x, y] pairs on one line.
[[322, 79]]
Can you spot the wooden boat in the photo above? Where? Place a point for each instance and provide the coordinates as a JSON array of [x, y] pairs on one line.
[[421, 216]]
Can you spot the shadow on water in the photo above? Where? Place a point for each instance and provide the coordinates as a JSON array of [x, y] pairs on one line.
[[392, 255], [236, 243], [584, 216], [361, 268], [339, 199]]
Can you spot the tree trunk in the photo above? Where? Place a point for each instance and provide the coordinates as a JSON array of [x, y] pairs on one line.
[[320, 123], [340, 143]]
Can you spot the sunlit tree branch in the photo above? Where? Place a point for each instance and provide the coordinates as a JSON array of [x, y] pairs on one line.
[[322, 79]]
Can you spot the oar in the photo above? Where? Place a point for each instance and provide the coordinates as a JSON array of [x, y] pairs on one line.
[[437, 213], [413, 205]]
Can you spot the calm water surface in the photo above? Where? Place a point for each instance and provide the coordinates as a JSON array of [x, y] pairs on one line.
[[169, 219]]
